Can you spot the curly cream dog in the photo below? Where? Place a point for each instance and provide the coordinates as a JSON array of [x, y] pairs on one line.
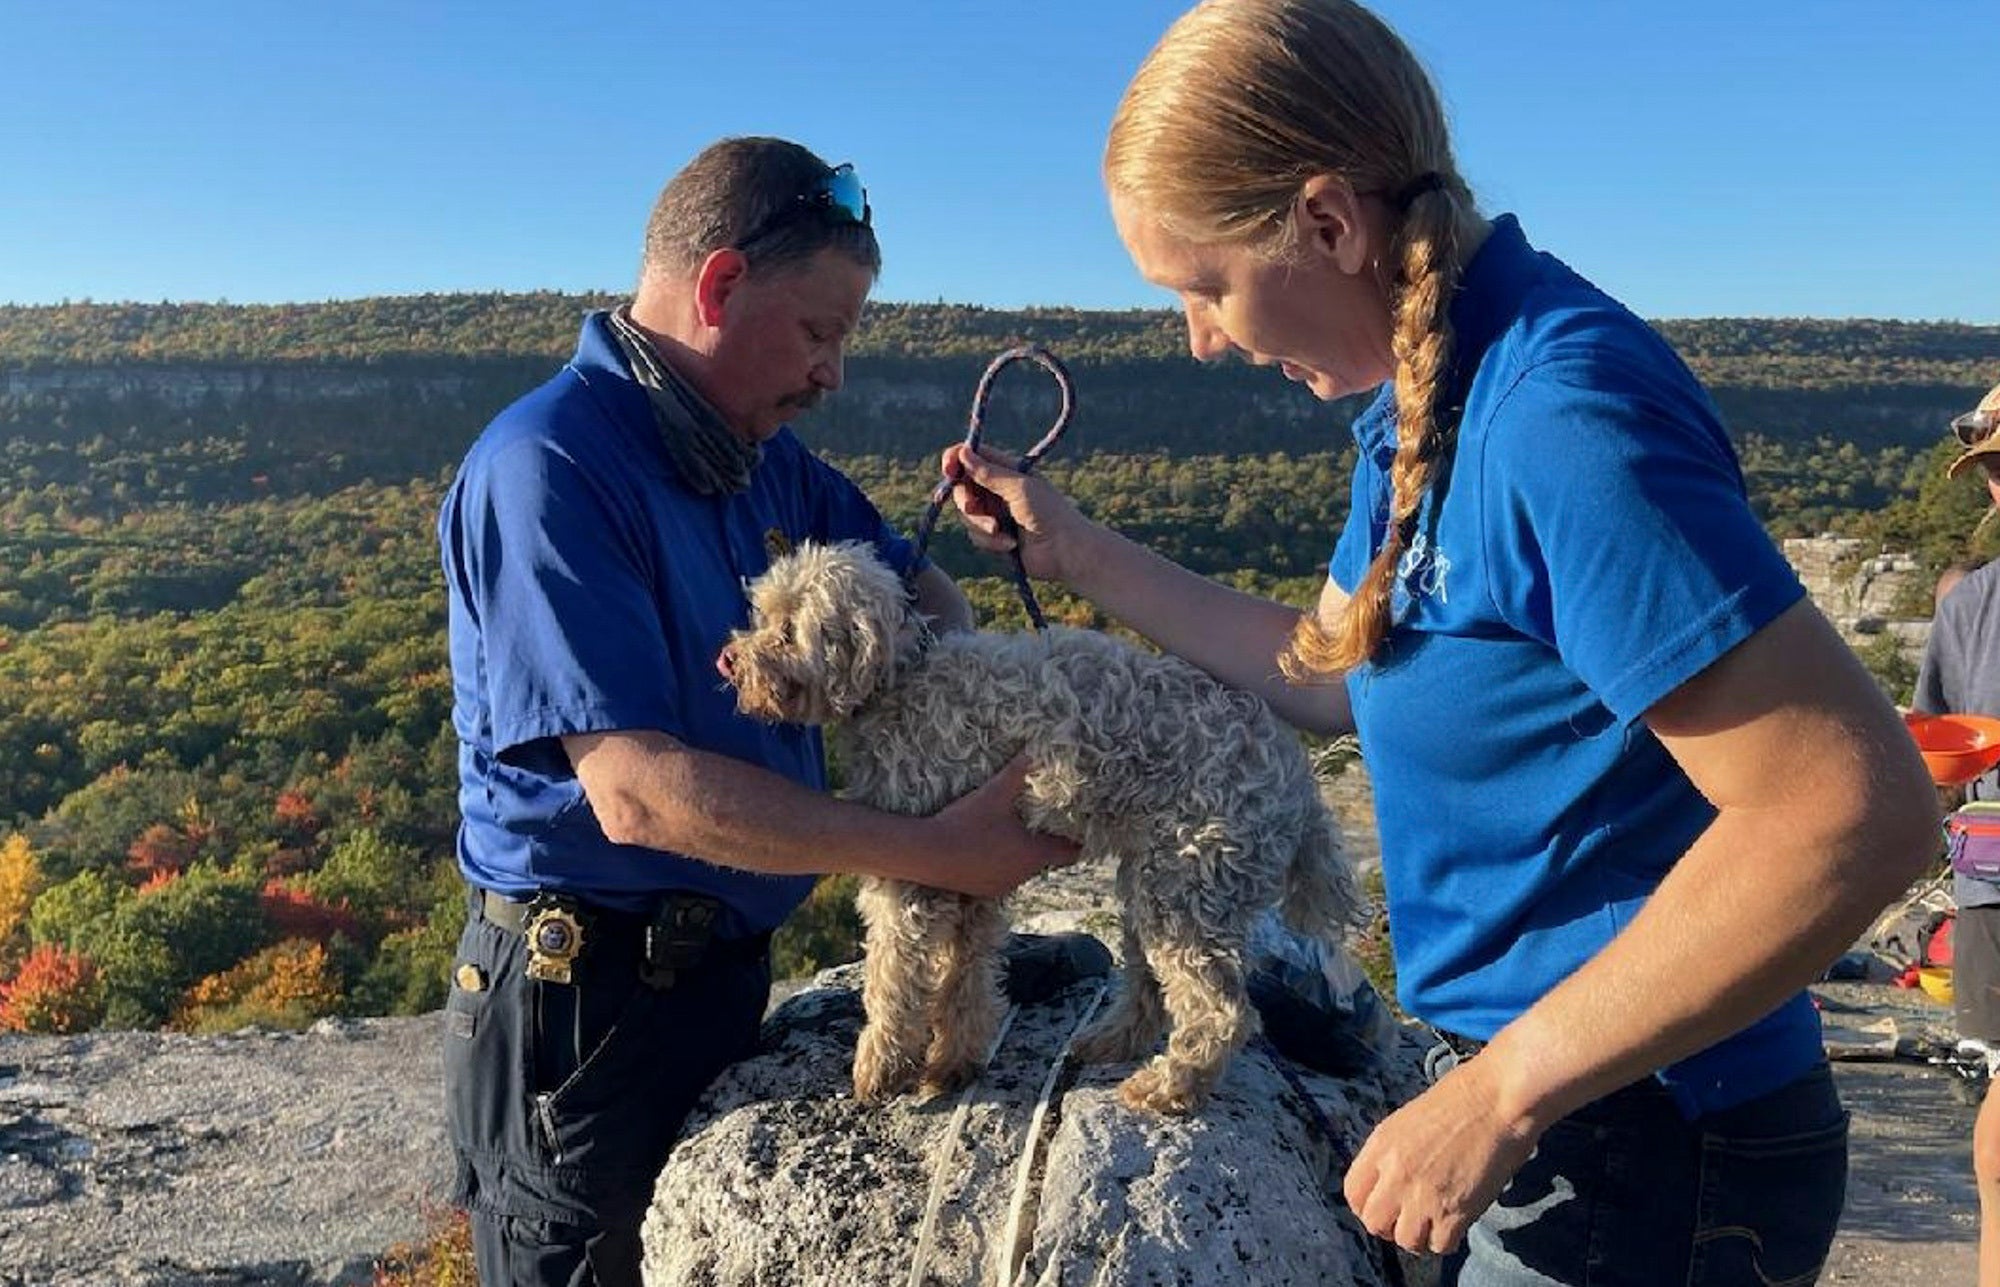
[[1205, 800]]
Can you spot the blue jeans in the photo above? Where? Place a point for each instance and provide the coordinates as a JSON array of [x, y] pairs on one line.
[[1628, 1193]]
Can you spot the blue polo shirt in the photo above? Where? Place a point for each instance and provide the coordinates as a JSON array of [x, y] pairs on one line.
[[1592, 550], [590, 590]]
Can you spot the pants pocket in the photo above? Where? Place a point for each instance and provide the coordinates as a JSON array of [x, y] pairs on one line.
[[1770, 1199], [484, 1068]]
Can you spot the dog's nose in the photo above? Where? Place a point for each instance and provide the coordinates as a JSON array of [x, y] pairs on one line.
[[725, 662]]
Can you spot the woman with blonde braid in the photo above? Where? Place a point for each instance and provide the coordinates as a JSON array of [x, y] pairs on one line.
[[1633, 792]]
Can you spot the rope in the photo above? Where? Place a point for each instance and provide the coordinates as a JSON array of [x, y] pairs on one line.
[[1017, 1237], [927, 1229], [975, 427]]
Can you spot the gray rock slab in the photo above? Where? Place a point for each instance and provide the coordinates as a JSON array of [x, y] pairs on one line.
[[160, 1159], [1028, 1177]]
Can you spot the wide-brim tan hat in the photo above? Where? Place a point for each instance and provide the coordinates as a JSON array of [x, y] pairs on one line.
[[1987, 446]]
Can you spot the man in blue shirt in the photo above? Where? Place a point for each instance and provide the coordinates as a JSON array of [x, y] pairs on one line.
[[630, 840]]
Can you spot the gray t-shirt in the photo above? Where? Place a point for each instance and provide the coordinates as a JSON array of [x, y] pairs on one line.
[[1960, 675]]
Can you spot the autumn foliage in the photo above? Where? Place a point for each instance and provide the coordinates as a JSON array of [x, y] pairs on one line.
[[285, 986], [20, 880], [294, 913], [54, 991]]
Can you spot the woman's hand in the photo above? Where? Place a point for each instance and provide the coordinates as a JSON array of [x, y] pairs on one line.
[[1429, 1169], [1005, 509]]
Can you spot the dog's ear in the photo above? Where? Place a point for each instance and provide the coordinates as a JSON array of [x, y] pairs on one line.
[[873, 610]]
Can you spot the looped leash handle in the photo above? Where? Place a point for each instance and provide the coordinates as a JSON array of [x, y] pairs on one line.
[[976, 426], [1049, 362]]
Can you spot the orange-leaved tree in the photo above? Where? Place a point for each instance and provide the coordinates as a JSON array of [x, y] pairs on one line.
[[284, 986], [54, 991]]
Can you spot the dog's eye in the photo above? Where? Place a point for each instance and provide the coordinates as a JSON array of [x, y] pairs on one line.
[[790, 635]]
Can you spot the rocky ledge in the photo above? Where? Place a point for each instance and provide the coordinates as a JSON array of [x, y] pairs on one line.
[[1034, 1176], [163, 1160]]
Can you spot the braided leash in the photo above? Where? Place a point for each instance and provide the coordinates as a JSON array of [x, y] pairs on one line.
[[942, 492]]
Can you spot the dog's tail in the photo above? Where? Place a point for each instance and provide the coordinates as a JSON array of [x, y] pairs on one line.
[[1320, 898]]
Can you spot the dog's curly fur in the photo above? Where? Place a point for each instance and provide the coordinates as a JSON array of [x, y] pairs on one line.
[[1202, 796]]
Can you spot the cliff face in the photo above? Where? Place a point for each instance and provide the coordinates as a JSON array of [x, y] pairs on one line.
[[1862, 594], [408, 417]]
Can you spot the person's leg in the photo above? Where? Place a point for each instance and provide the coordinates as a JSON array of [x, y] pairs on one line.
[[509, 1250], [1986, 1170], [1773, 1181], [1975, 941], [565, 1099], [1627, 1193]]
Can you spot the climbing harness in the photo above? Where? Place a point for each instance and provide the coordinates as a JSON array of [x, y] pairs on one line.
[[942, 492]]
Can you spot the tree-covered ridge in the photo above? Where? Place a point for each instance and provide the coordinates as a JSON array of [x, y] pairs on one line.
[[1774, 353], [226, 773]]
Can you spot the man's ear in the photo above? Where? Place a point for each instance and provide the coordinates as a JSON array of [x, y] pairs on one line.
[[1330, 222], [716, 280]]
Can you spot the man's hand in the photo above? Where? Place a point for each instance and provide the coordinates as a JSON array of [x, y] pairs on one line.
[[1431, 1168], [983, 849]]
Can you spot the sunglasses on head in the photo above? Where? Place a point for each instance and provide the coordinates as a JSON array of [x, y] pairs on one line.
[[1975, 427], [836, 196]]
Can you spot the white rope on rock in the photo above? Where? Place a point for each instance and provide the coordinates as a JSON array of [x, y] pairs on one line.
[[1020, 1231], [927, 1229]]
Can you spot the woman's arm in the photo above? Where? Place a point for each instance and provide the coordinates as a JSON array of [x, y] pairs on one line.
[[1234, 636], [1824, 814]]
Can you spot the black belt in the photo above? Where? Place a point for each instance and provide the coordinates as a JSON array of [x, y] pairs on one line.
[[1463, 1047], [611, 927]]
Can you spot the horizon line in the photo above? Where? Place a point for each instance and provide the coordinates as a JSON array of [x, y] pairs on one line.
[[1165, 310]]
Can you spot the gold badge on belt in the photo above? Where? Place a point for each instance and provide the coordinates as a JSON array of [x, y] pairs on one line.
[[555, 937]]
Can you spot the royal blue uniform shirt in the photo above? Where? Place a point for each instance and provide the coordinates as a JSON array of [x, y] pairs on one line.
[[590, 590], [1588, 551]]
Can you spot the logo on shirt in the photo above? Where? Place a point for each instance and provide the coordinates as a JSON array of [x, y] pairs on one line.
[[776, 544], [1422, 570]]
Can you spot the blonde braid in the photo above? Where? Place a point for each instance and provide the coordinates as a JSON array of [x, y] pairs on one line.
[[1427, 242]]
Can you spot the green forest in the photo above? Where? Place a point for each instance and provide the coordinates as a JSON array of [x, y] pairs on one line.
[[226, 773]]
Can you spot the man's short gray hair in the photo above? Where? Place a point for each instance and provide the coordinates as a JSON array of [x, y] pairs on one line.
[[737, 187]]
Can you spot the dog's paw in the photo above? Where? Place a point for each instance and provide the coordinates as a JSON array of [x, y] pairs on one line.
[[1112, 1040], [879, 1075], [946, 1080], [1159, 1088], [877, 1086]]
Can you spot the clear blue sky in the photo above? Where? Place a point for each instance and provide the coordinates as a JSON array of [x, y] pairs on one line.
[[1830, 158]]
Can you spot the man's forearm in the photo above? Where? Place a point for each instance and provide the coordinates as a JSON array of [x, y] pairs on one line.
[[649, 790]]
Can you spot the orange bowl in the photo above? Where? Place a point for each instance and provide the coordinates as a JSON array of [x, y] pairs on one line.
[[1956, 748]]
